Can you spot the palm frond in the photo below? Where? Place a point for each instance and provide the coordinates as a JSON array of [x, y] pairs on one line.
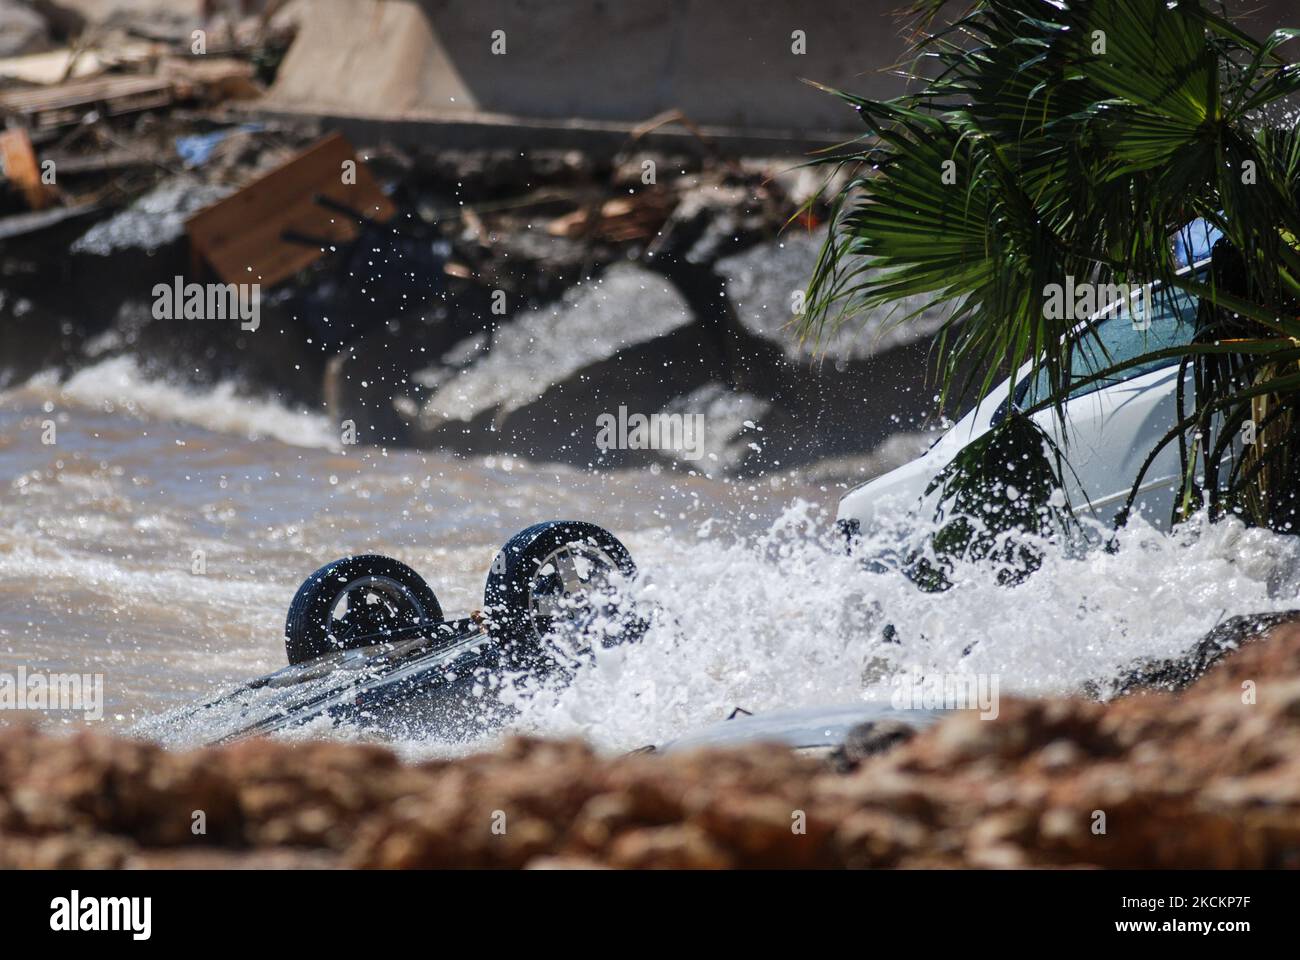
[[1048, 139]]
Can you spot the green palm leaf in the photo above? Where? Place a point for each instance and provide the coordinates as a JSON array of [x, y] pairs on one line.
[[1055, 138]]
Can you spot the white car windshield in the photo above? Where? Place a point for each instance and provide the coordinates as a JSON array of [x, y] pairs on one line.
[[1123, 335]]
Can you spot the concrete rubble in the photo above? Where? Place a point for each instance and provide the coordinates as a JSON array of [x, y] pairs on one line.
[[665, 293]]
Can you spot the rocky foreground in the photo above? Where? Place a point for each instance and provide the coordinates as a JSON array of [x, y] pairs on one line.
[[1206, 777]]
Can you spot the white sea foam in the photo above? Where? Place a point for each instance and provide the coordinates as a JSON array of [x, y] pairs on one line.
[[117, 384], [788, 620]]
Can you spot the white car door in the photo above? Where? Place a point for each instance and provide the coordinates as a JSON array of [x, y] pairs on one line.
[[1113, 425]]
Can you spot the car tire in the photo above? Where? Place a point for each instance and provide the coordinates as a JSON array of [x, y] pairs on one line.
[[393, 595], [524, 599]]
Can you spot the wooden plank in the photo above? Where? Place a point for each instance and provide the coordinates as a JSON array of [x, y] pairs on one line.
[[79, 92], [242, 236], [67, 102], [21, 224], [106, 161], [18, 160]]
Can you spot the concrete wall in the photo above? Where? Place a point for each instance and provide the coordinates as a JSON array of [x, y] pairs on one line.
[[605, 62], [722, 64]]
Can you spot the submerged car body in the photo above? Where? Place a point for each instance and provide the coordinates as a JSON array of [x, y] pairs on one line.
[[424, 682], [368, 645]]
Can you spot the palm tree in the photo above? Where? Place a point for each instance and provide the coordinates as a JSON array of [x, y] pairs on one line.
[[1055, 138]]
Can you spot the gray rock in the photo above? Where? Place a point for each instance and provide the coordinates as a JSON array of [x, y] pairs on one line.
[[711, 218], [868, 740]]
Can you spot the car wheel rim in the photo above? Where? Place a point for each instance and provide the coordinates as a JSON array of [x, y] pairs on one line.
[[560, 590], [370, 605]]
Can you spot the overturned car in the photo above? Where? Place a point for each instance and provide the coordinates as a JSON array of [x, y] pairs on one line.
[[367, 640]]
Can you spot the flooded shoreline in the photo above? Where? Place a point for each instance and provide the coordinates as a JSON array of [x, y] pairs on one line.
[[104, 528], [162, 554]]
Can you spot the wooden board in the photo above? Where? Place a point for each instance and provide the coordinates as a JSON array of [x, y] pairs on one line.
[[67, 103], [242, 237], [18, 161]]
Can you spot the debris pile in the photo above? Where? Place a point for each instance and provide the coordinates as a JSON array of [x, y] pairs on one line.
[[478, 300], [106, 107]]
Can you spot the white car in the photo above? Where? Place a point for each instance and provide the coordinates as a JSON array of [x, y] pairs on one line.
[[1110, 426]]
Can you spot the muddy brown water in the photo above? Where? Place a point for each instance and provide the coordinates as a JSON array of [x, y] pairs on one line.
[[102, 531]]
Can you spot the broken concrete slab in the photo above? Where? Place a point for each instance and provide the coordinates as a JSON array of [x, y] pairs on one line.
[[711, 219], [766, 291], [154, 220], [565, 423], [380, 379], [624, 307], [731, 428]]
